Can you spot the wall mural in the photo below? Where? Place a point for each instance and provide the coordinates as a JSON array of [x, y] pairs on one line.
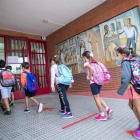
[[102, 40]]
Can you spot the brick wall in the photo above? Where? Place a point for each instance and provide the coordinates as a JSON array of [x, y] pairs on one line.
[[103, 12]]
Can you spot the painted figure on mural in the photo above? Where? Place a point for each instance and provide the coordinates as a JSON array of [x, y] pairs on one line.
[[131, 33], [82, 46], [108, 33]]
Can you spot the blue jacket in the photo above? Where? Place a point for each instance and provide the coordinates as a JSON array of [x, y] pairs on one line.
[[126, 75]]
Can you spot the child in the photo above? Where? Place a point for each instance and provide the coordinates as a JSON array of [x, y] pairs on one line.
[[11, 100], [87, 56], [61, 88], [27, 93], [5, 92], [124, 53]]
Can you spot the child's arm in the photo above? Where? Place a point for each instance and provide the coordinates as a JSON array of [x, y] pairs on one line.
[[23, 79], [126, 77], [90, 70]]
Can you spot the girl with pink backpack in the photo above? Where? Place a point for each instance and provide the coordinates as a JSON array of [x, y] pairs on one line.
[[98, 75]]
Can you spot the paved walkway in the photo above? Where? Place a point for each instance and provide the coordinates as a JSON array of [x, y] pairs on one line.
[[48, 125]]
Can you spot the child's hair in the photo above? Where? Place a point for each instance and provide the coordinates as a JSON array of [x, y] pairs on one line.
[[9, 67], [55, 59], [129, 52], [88, 55], [25, 65], [2, 63]]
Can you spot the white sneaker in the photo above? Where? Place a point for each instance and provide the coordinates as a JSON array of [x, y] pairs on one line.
[[40, 107]]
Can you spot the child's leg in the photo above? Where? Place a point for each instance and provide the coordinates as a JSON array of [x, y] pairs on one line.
[[61, 102], [12, 96], [98, 102], [103, 103], [26, 102], [136, 108], [34, 100], [6, 104], [62, 91]]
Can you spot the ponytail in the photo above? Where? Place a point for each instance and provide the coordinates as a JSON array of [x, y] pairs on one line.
[[88, 55], [129, 52]]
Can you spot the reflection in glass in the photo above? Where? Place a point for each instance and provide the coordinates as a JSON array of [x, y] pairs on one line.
[[43, 82], [2, 48], [44, 59]]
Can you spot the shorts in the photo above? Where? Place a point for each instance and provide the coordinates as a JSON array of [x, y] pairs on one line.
[[95, 88], [28, 93], [13, 89], [134, 94], [6, 92]]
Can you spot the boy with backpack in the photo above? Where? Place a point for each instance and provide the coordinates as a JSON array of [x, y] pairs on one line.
[[28, 81], [7, 80]]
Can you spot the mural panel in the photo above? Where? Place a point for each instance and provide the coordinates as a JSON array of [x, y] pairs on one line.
[[102, 40]]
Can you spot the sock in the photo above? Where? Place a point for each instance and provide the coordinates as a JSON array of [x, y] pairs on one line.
[[102, 114], [27, 108], [37, 104], [107, 108]]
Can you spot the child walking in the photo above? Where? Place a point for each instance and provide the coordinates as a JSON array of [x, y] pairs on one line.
[[61, 88], [88, 57], [27, 93], [11, 99], [127, 81], [5, 91]]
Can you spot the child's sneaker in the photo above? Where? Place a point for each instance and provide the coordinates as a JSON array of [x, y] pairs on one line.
[[26, 110], [61, 111], [13, 104], [10, 102], [101, 118], [138, 129], [137, 135], [109, 113], [67, 115], [3, 109], [40, 107], [7, 113]]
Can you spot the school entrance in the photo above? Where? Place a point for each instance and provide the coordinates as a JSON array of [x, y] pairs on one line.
[[16, 50]]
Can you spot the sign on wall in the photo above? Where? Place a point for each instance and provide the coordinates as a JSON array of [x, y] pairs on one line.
[[13, 59]]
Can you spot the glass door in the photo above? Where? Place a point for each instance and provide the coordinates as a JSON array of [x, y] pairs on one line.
[[39, 65], [16, 54]]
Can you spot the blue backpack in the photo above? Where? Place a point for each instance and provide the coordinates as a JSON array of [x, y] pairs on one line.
[[32, 85], [65, 76]]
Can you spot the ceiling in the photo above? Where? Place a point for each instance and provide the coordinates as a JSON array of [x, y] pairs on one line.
[[28, 15]]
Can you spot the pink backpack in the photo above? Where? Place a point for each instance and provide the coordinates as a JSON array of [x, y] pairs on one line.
[[101, 74]]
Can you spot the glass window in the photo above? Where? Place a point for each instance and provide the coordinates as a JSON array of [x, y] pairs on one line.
[[2, 48]]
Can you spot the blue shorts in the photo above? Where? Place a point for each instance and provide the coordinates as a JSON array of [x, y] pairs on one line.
[[95, 88]]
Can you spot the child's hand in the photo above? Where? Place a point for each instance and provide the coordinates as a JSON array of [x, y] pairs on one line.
[[53, 89], [88, 78], [70, 86]]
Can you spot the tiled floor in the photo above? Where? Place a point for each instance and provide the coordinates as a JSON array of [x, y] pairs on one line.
[[48, 124]]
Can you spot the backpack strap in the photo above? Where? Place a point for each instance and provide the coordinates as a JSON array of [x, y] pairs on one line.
[[26, 72]]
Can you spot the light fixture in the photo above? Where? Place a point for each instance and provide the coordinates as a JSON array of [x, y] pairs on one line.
[[48, 21]]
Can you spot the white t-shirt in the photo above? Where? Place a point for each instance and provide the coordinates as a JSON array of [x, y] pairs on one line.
[[88, 72]]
